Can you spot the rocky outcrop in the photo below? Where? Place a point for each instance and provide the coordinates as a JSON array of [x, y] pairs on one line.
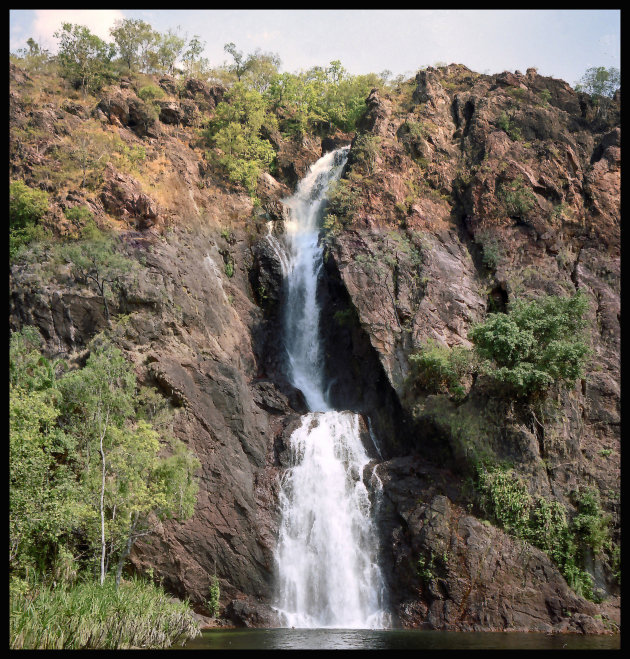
[[427, 251], [429, 247], [455, 572], [123, 198]]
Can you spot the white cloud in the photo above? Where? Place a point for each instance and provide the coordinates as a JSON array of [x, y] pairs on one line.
[[98, 21]]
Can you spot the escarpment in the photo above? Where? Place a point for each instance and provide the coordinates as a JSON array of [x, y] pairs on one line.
[[463, 192]]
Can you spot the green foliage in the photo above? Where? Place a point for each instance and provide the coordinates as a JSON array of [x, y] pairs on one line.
[[517, 199], [365, 151], [34, 58], [440, 369], [545, 96], [536, 344], [425, 568], [543, 523], [321, 98], [491, 250], [213, 600], [133, 38], [505, 498], [506, 123], [27, 206], [590, 524], [236, 131], [599, 81], [84, 58], [229, 269], [150, 93], [80, 215], [89, 616], [94, 260], [88, 474]]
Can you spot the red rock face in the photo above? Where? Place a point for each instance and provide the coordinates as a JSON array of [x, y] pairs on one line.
[[210, 341], [438, 183]]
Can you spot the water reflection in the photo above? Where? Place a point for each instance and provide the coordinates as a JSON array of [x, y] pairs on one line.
[[347, 639]]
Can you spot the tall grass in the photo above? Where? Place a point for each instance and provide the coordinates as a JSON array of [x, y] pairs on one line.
[[87, 615]]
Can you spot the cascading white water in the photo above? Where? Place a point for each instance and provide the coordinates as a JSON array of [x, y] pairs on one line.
[[327, 552]]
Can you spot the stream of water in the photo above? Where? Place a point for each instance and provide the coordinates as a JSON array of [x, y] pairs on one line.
[[327, 555]]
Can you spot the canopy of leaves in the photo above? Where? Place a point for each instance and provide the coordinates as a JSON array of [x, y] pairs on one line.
[[57, 423], [84, 58], [536, 344], [236, 130], [600, 81], [321, 97], [27, 206]]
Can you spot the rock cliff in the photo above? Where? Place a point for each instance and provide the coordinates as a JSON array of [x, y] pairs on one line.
[[200, 321]]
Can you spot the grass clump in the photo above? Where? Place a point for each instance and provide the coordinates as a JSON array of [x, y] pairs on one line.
[[89, 616]]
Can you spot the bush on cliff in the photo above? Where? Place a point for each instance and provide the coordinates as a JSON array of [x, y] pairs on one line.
[[440, 369], [236, 131], [504, 497], [27, 206], [536, 344]]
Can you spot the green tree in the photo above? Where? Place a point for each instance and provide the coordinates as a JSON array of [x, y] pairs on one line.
[[84, 58], [193, 52], [126, 480], [44, 503], [536, 344], [94, 259], [236, 131], [240, 65], [260, 69], [35, 57], [169, 48], [599, 81], [131, 36]]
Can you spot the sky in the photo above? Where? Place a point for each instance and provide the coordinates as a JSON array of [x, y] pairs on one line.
[[559, 43]]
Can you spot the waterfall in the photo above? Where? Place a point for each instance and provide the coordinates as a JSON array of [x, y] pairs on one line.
[[327, 553]]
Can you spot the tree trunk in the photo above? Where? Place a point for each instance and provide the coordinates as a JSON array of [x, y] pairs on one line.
[[102, 504]]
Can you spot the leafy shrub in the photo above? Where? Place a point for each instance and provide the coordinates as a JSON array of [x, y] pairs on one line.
[[545, 96], [365, 150], [27, 206], [536, 344], [517, 199], [213, 600], [236, 130], [80, 215], [590, 524], [440, 369], [491, 251], [505, 123], [150, 93], [505, 497], [543, 523]]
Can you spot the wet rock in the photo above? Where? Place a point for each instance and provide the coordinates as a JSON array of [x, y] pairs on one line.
[[252, 614]]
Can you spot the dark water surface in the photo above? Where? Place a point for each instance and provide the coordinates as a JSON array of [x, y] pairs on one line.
[[369, 639]]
